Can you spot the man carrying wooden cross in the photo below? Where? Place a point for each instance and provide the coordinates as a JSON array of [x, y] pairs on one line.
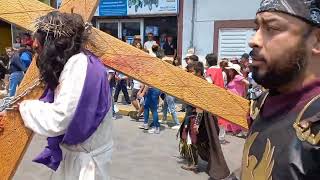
[[75, 109]]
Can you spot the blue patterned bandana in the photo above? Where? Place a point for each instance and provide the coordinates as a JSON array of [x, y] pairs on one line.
[[307, 10]]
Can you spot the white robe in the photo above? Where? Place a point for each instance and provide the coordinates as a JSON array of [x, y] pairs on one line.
[[85, 161]]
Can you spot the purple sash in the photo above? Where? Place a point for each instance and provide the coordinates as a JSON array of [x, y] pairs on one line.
[[93, 105]]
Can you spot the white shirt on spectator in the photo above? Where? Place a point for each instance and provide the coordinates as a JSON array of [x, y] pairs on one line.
[[148, 45], [136, 84]]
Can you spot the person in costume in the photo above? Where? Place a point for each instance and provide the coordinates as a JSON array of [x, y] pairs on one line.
[[199, 137], [75, 110], [283, 140]]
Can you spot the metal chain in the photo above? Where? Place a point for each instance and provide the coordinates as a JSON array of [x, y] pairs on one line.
[[8, 102]]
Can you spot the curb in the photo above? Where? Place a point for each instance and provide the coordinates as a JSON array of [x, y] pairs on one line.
[[125, 109]]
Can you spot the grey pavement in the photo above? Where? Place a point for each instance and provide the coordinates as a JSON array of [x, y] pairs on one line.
[[137, 155]]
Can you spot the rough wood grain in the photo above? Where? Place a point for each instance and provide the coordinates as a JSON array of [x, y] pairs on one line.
[[86, 8], [168, 78]]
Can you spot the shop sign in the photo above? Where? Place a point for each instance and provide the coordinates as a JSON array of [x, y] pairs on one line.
[[137, 7], [147, 7], [113, 7]]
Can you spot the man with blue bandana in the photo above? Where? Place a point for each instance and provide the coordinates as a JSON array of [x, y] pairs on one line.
[[283, 140]]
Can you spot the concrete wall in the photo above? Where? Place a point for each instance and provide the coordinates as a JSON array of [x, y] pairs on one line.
[[208, 11]]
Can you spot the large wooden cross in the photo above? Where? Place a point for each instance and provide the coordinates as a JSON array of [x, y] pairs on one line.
[[119, 56]]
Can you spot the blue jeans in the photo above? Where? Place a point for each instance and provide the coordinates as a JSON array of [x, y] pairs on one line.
[[14, 80], [170, 105], [151, 103]]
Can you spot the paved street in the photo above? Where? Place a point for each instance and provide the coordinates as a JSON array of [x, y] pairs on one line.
[[137, 155]]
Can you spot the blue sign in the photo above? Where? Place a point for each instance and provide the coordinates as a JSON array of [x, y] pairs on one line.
[[113, 8]]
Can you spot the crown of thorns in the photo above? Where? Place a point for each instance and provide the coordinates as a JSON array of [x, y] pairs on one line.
[[55, 26]]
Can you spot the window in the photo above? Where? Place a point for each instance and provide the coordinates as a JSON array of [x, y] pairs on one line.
[[233, 42], [110, 28], [124, 29]]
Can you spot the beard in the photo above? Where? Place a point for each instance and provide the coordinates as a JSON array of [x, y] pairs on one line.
[[286, 71]]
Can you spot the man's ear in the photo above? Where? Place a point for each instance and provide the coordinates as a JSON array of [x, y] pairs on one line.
[[316, 41]]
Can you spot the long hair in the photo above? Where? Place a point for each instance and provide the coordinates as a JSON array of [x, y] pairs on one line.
[[199, 68], [135, 44], [231, 77], [65, 38]]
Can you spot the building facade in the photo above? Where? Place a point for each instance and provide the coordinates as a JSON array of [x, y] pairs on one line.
[[220, 26], [205, 26], [124, 19]]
